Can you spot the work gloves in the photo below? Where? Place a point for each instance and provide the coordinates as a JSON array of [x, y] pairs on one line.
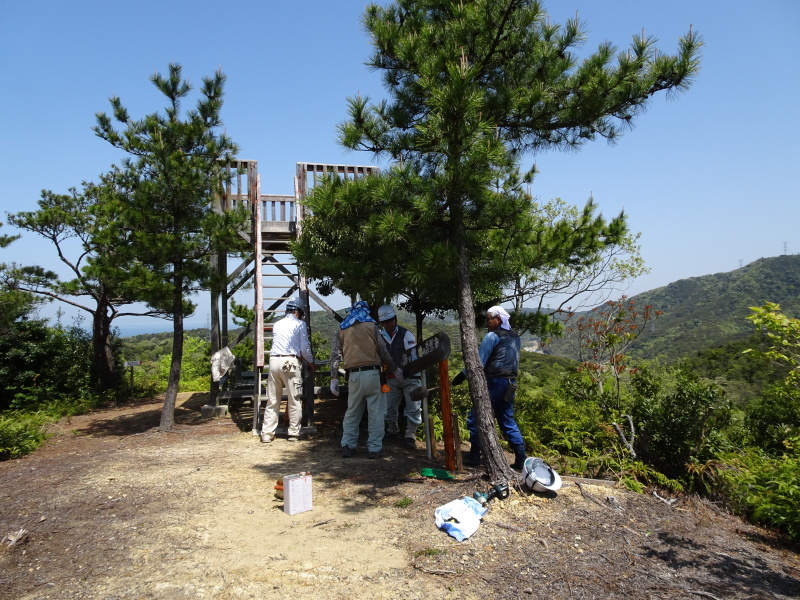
[[459, 379], [399, 377]]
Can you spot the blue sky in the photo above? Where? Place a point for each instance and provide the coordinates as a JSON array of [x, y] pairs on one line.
[[709, 178]]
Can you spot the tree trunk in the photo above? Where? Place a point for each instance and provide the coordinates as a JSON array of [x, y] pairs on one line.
[[491, 452], [168, 410], [102, 354]]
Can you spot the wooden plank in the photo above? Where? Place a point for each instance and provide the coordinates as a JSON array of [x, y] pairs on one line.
[[235, 394], [603, 482], [277, 198], [273, 227]]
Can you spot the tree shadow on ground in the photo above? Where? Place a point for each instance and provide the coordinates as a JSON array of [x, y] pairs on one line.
[[145, 415], [741, 569]]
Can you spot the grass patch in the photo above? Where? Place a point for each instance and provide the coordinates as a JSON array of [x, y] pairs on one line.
[[404, 502], [428, 552]]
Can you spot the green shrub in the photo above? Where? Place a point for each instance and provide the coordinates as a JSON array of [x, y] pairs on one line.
[[151, 377], [197, 384], [148, 380], [21, 433], [765, 488], [40, 365], [680, 424], [771, 417], [196, 360]]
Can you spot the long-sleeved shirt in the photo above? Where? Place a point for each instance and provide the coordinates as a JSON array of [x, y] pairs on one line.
[[290, 336], [499, 352]]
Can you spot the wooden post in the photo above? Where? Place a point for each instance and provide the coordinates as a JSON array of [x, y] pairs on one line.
[[254, 198], [432, 447], [447, 417], [457, 444], [426, 425]]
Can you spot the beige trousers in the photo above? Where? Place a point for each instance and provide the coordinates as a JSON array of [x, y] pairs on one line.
[[284, 372]]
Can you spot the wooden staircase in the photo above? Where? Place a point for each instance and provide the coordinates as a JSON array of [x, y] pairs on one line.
[[275, 278]]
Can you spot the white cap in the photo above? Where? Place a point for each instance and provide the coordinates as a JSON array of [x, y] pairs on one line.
[[294, 304], [385, 313]]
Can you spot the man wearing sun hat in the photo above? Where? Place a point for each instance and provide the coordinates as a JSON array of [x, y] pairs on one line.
[[358, 344], [499, 353]]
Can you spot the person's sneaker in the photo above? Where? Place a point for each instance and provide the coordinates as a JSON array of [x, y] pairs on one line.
[[294, 438], [266, 439], [347, 452], [410, 443], [392, 429], [374, 455]]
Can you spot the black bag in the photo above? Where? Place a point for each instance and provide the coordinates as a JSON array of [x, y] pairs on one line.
[[511, 391]]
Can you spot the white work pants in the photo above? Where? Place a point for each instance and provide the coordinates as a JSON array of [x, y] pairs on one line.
[[364, 391], [284, 372], [413, 411]]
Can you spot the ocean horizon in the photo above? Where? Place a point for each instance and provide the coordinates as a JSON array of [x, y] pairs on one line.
[[126, 331]]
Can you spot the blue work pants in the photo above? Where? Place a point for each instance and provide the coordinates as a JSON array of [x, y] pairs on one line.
[[503, 411]]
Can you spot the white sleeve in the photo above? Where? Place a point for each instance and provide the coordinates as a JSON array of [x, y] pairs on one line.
[[409, 341], [305, 343]]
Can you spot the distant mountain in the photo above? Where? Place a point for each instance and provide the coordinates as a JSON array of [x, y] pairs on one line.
[[699, 313], [707, 311], [324, 324]]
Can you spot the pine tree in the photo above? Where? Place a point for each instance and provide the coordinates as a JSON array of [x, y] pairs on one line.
[[475, 85], [175, 168], [14, 303], [102, 281]]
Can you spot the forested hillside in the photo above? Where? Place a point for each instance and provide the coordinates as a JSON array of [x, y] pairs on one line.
[[705, 312]]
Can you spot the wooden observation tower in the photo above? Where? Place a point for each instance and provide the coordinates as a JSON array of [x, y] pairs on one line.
[[272, 273]]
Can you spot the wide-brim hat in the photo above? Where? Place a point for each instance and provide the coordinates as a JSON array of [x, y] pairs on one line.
[[539, 476]]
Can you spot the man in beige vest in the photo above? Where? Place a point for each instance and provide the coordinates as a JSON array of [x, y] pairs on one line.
[[359, 346]]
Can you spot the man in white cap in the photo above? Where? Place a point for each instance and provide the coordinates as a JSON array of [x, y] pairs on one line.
[[400, 340], [290, 346], [499, 353]]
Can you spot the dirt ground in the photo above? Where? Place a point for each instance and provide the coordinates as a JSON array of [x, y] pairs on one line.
[[111, 509]]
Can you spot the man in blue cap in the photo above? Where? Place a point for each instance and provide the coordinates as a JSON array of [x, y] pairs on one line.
[[290, 346]]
